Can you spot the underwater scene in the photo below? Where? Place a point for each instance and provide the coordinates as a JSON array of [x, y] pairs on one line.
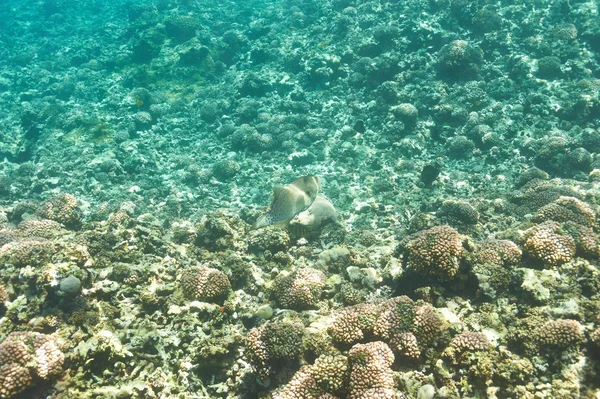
[[299, 199]]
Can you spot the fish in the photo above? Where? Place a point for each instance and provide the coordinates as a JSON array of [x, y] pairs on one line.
[[309, 222], [290, 200]]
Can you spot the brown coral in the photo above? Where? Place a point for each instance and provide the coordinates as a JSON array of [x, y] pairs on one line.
[[14, 379], [301, 386], [64, 209], [328, 375], [470, 341], [427, 324], [38, 228], [30, 251], [273, 341], [595, 337], [370, 372], [586, 240], [3, 293], [300, 289], [365, 374], [548, 243], [497, 252], [560, 334], [435, 252], [352, 324], [458, 212], [567, 209], [405, 326], [204, 283], [25, 356], [537, 193]]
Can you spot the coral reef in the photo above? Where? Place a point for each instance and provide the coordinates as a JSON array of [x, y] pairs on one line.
[[26, 356], [440, 238]]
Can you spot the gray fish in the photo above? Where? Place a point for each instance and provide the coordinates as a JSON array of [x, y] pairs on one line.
[[290, 200]]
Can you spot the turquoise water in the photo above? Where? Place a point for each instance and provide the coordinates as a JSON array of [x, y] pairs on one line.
[[450, 251]]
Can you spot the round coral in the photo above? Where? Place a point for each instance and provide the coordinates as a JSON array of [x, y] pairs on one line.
[[301, 386], [300, 289], [470, 341], [586, 240], [497, 252], [560, 334], [434, 252], [548, 243], [370, 371], [273, 341], [38, 228], [63, 209], [459, 212], [330, 372], [352, 324], [204, 283], [567, 209], [25, 357], [14, 379], [30, 251], [3, 293], [405, 326]]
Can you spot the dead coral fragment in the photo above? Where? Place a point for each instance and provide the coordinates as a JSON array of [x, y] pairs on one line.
[[220, 231]]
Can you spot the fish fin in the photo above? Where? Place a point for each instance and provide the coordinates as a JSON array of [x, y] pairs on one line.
[[282, 224], [262, 221], [300, 203]]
